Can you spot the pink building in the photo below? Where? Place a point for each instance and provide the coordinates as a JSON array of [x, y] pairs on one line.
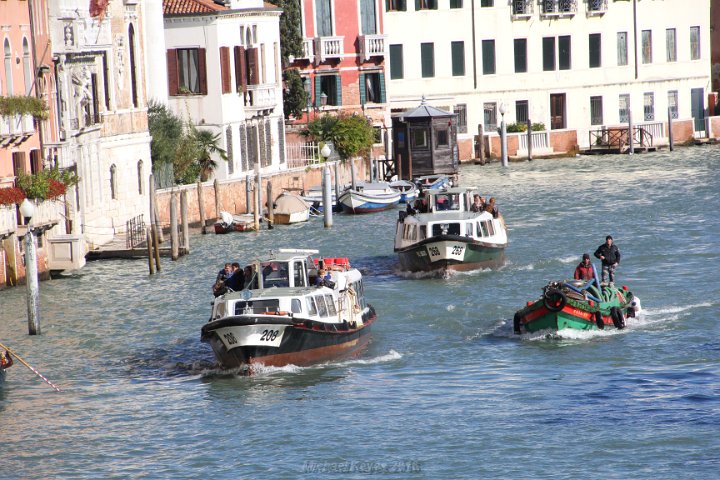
[[343, 63]]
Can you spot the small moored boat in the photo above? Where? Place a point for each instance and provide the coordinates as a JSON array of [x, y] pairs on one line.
[[369, 197], [578, 305], [283, 317], [290, 208], [445, 234], [234, 223], [408, 190]]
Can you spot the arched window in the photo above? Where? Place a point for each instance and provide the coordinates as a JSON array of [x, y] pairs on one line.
[[113, 182], [26, 68], [140, 176], [8, 69], [133, 73]]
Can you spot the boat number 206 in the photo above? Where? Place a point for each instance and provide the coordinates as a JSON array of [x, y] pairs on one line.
[[269, 335]]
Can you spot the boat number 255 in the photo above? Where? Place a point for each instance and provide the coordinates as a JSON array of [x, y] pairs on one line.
[[269, 335]]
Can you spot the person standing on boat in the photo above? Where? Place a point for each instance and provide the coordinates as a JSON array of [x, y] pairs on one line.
[[609, 253], [478, 204], [6, 360], [584, 269], [236, 280], [492, 208]]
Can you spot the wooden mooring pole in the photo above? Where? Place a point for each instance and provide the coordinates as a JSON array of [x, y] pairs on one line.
[[174, 242], [184, 221], [32, 283], [151, 266], [201, 207], [216, 187], [271, 213], [529, 139], [670, 134]]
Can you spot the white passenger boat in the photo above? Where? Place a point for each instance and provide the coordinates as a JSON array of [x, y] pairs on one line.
[[445, 234], [283, 317]]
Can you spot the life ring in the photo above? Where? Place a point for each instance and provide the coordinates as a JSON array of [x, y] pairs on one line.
[[516, 323], [599, 320], [617, 318], [554, 300]]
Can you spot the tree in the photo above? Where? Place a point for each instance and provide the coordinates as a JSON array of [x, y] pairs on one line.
[[166, 130], [207, 143], [351, 135], [295, 98], [291, 40]]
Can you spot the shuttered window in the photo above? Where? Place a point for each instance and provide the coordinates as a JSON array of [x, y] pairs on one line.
[[458, 58], [240, 70], [323, 18], [647, 46], [225, 69], [520, 45], [670, 45], [396, 62], [253, 66], [564, 62], [372, 88], [622, 50], [596, 111], [488, 57], [425, 5], [395, 5], [694, 43], [548, 53], [368, 17], [187, 71], [595, 52], [331, 87], [427, 59]]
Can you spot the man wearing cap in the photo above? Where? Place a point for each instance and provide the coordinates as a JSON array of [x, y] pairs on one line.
[[584, 270], [609, 253]]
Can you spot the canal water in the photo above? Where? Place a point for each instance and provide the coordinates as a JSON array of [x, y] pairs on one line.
[[446, 390]]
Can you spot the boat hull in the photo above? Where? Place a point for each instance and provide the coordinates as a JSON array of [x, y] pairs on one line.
[[238, 343], [450, 252], [290, 218], [357, 202], [575, 314]]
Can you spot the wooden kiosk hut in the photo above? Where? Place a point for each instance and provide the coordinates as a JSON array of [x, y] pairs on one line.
[[425, 142]]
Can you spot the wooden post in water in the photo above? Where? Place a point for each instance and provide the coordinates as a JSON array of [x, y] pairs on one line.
[[151, 266], [184, 222], [670, 135], [398, 166], [257, 201], [271, 214], [481, 144], [337, 184], [156, 249], [216, 187], [154, 214], [248, 190], [201, 207], [529, 139], [31, 281], [630, 132], [174, 242], [327, 198]]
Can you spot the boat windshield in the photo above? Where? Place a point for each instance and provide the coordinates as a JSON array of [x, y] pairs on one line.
[[257, 306], [275, 274], [447, 201]]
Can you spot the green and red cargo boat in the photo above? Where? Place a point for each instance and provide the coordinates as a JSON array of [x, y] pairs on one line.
[[578, 305]]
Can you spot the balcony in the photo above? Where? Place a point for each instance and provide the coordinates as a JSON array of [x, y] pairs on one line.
[[15, 129], [328, 47], [260, 97], [596, 7], [308, 49], [559, 8], [522, 9], [372, 46]]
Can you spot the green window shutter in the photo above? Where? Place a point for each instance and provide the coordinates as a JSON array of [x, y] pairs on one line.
[[382, 88], [338, 89], [362, 89], [402, 5], [458, 58], [318, 90], [418, 6], [396, 61], [427, 59]]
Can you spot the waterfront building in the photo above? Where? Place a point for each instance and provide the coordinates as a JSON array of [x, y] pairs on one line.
[[575, 66], [343, 61], [223, 71], [103, 136]]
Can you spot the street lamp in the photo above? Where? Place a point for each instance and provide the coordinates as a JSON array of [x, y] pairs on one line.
[[27, 210], [325, 151], [327, 196], [503, 136]]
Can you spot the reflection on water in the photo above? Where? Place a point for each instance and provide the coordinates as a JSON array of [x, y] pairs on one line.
[[444, 376]]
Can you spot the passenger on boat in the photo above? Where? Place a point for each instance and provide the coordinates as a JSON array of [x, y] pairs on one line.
[[609, 253], [584, 270], [478, 204], [324, 279], [236, 281], [225, 272], [492, 208], [6, 360]]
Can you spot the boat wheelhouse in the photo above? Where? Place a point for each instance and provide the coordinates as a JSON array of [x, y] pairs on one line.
[[443, 233]]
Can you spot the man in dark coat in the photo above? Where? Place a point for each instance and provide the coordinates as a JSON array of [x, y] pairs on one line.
[[609, 253], [236, 280]]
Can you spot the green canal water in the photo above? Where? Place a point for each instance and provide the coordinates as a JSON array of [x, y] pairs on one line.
[[445, 390]]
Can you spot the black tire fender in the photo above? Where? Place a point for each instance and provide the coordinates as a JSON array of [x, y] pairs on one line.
[[599, 320], [617, 318], [516, 323], [554, 300]]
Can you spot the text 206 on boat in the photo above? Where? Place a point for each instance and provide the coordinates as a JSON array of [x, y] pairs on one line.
[[296, 308]]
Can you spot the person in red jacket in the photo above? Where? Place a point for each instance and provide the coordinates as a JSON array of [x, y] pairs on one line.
[[584, 270]]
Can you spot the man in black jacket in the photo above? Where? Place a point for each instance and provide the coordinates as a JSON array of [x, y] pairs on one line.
[[609, 253]]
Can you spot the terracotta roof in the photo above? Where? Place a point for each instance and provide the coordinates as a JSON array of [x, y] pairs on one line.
[[184, 7]]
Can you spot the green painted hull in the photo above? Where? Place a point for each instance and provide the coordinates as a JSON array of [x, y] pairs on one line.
[[574, 312]]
